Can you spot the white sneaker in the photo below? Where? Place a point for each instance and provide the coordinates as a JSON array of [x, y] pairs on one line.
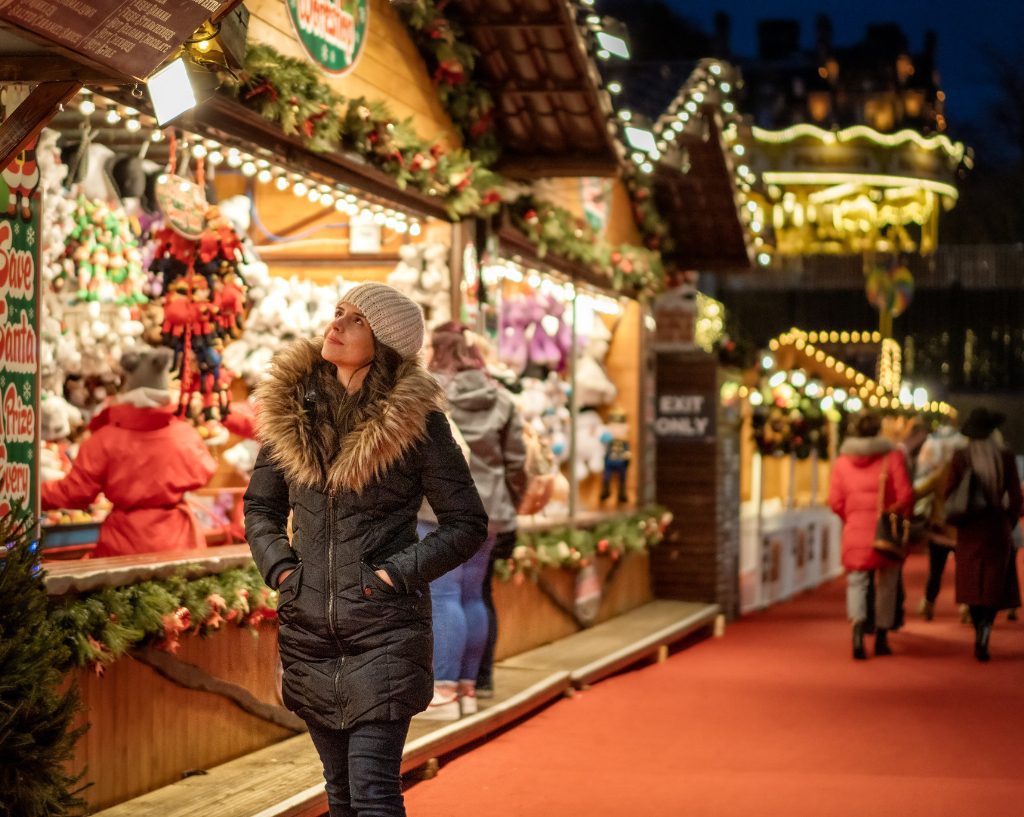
[[444, 706], [467, 698]]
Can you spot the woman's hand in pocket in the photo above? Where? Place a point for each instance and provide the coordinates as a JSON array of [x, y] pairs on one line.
[[384, 577]]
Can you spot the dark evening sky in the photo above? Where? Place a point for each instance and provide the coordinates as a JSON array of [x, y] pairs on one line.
[[965, 29]]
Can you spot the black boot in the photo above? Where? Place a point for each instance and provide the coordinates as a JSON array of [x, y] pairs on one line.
[[882, 642], [858, 641], [981, 636]]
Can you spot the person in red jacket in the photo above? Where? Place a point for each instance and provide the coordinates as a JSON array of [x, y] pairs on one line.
[[866, 461], [144, 460]]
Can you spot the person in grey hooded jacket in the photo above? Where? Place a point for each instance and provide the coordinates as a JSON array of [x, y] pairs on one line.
[[489, 422]]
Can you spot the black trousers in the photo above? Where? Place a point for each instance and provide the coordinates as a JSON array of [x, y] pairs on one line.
[[937, 558], [504, 544], [363, 768], [485, 675]]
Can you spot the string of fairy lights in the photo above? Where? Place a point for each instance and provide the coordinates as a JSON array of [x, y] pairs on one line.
[[261, 166], [851, 390]]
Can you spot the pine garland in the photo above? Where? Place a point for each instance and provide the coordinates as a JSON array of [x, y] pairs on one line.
[[37, 737], [98, 628], [574, 548], [290, 92], [452, 61], [441, 40], [633, 270]]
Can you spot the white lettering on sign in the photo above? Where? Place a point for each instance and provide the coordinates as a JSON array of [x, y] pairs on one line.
[[18, 344], [15, 482], [17, 268], [688, 416], [681, 404], [19, 420], [330, 23], [681, 426]]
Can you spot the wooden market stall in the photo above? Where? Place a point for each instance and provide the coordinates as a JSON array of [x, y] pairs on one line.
[[316, 210], [793, 408]]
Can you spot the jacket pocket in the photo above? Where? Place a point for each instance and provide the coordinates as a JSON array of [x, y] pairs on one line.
[[288, 590]]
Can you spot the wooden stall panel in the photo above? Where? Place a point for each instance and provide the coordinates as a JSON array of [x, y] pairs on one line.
[[527, 618], [146, 732]]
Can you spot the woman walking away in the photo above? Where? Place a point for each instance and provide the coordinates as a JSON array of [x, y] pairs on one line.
[[984, 511], [868, 477], [489, 422], [354, 439]]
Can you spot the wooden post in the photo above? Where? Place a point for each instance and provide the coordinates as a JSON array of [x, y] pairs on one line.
[[25, 121]]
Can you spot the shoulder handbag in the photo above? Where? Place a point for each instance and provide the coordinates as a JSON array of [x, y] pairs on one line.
[[892, 531]]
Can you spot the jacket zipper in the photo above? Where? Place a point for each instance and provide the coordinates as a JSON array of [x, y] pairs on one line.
[[330, 595]]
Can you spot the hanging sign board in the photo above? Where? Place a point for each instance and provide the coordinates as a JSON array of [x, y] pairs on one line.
[[685, 417], [19, 336], [332, 32], [132, 37], [596, 194]]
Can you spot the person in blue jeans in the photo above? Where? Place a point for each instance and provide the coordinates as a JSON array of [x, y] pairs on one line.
[[489, 423]]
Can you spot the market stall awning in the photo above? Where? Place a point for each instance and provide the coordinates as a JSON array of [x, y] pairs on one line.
[[56, 47], [553, 116], [699, 204], [514, 244]]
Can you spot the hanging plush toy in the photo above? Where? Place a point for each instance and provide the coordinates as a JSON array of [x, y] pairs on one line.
[[198, 258], [617, 456], [21, 176]]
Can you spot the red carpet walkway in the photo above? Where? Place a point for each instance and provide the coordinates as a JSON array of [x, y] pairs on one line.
[[773, 719]]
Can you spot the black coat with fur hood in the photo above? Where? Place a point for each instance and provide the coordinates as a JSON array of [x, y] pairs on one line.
[[354, 649]]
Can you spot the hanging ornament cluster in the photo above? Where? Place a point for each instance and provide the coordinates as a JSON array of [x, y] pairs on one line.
[[102, 260], [197, 262], [890, 289]]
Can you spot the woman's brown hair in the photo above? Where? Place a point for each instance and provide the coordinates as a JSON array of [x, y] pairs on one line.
[[453, 350]]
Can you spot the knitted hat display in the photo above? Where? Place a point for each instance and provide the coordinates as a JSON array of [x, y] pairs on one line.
[[394, 319]]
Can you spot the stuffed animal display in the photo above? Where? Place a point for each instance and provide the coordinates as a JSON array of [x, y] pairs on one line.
[[423, 275], [91, 290], [283, 309]]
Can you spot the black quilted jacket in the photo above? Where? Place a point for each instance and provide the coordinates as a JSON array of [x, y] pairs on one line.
[[354, 649]]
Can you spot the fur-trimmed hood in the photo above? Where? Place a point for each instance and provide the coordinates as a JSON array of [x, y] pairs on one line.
[[366, 452], [867, 448]]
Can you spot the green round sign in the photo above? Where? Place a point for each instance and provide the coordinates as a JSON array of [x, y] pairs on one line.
[[332, 32]]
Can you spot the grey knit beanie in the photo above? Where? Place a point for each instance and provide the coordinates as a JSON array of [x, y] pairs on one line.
[[394, 319]]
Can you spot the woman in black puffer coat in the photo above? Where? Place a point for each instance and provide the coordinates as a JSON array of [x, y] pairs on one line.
[[354, 439]]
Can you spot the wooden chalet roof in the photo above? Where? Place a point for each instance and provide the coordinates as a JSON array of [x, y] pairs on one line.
[[699, 204], [553, 116], [694, 184]]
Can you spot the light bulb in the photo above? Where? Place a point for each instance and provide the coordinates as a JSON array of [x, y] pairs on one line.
[[264, 176], [199, 151], [113, 117], [249, 169], [281, 183]]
